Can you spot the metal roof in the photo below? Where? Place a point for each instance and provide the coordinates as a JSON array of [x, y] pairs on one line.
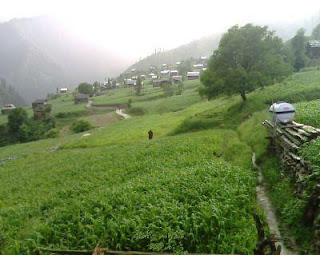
[[193, 73], [314, 43]]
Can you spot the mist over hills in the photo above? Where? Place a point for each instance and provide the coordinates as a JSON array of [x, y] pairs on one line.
[[195, 49], [206, 45], [37, 55], [9, 95]]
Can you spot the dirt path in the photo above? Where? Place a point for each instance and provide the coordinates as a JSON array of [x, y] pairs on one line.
[[119, 112], [266, 206]]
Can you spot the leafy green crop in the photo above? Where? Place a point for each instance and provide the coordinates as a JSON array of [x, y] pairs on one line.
[[169, 194]]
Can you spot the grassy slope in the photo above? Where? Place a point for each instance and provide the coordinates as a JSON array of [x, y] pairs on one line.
[[70, 176]]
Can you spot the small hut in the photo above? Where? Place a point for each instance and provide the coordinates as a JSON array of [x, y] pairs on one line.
[[314, 48], [174, 72], [130, 83], [7, 108], [81, 98], [193, 75], [176, 79], [63, 90], [41, 108], [160, 82]]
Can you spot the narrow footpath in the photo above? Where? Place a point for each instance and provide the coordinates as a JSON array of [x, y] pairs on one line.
[[266, 206], [119, 112]]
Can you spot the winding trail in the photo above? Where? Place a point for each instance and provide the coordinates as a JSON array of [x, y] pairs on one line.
[[266, 206], [119, 112]]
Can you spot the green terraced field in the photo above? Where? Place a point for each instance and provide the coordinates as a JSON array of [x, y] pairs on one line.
[[191, 188]]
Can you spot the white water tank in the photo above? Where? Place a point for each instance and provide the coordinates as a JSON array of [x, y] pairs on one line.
[[282, 112]]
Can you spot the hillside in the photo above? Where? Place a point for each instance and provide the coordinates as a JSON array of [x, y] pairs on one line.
[[9, 95], [37, 55], [195, 49], [190, 188]]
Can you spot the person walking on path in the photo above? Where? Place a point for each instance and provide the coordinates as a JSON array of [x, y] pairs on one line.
[[150, 133]]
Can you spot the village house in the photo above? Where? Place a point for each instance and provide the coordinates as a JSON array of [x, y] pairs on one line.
[[130, 82], [193, 75], [151, 74], [7, 108], [178, 63], [174, 72], [176, 79], [81, 98], [164, 73], [160, 82], [63, 90], [198, 66], [143, 77], [41, 108], [164, 66], [313, 48]]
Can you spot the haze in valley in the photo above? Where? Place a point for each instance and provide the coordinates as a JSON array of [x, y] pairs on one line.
[[49, 44]]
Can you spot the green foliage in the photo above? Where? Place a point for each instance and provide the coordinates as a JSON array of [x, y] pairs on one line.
[[179, 89], [138, 87], [129, 103], [96, 87], [173, 194], [308, 113], [85, 88], [168, 90], [17, 120], [52, 96], [288, 207], [81, 126], [63, 115], [248, 57], [135, 111], [298, 45], [4, 140]]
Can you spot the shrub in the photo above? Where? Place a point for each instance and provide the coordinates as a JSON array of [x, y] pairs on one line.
[[136, 111], [52, 133], [81, 126]]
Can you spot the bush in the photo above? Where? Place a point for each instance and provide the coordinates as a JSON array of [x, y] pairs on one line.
[[52, 133], [62, 115], [136, 111], [81, 126]]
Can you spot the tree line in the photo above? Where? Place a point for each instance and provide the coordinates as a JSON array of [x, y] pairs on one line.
[[251, 57]]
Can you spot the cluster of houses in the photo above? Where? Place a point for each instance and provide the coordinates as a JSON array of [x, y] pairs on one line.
[[168, 76]]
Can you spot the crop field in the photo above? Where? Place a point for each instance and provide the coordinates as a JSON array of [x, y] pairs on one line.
[[308, 113], [149, 93], [188, 198], [191, 188]]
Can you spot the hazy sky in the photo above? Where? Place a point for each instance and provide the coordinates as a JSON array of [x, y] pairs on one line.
[[134, 28]]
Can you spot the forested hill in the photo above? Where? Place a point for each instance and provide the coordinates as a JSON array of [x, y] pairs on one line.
[[37, 55], [195, 49], [9, 95]]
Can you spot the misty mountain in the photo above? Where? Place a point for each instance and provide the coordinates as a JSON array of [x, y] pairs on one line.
[[37, 55], [9, 95], [206, 45], [202, 47]]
